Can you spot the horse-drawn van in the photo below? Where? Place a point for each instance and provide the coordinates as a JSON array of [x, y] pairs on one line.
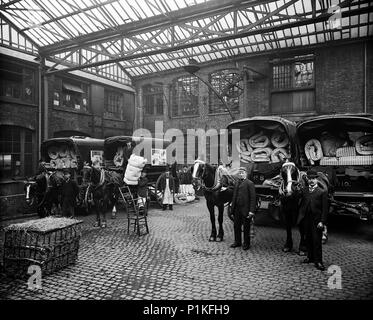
[[58, 154], [118, 149], [71, 152], [341, 146], [266, 142]]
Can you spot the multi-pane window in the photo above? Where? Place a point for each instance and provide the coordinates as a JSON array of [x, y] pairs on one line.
[[114, 104], [185, 96], [229, 86], [153, 99], [17, 82], [293, 86], [16, 152], [70, 94]]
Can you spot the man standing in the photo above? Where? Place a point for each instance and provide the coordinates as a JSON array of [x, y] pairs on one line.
[[70, 191], [167, 185], [243, 207], [313, 213]]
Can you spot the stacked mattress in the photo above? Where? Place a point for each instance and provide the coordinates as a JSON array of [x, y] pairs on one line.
[[133, 170], [262, 147], [361, 153], [62, 157]]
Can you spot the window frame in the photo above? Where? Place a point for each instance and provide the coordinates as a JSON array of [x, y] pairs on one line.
[[26, 150], [214, 100], [292, 88], [195, 111], [116, 97], [151, 99], [22, 71]]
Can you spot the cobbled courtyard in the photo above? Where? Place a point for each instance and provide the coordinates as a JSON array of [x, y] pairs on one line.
[[177, 262]]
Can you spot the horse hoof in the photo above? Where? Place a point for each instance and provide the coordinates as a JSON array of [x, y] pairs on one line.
[[219, 239], [286, 249], [212, 239], [301, 253]]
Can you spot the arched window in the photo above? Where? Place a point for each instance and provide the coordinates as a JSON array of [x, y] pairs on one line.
[[229, 85], [16, 152], [185, 96]]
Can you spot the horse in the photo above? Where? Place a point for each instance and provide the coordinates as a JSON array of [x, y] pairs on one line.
[[211, 184], [44, 191], [293, 180], [100, 192]]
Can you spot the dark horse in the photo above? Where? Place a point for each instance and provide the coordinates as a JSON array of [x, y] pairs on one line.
[[99, 189], [44, 191], [293, 181], [214, 194]]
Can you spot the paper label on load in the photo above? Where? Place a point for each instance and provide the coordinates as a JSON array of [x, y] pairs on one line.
[[159, 157], [97, 155]]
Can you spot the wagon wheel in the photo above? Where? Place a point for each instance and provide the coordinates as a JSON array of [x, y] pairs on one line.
[[158, 190]]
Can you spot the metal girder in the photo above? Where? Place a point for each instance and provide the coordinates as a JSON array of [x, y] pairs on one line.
[[131, 56], [10, 23], [173, 18]]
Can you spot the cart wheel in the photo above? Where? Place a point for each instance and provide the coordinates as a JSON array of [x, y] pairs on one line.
[[158, 190]]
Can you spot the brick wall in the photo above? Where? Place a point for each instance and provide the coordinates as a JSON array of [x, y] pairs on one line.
[[339, 86]]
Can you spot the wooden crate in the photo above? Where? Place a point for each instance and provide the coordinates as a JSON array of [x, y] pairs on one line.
[[51, 243]]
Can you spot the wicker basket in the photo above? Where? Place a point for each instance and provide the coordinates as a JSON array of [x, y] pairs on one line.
[[51, 243]]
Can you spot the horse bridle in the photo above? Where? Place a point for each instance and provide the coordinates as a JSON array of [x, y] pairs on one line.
[[213, 187]]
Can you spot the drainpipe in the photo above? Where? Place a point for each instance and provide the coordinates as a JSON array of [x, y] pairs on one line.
[[365, 77], [45, 100], [40, 106]]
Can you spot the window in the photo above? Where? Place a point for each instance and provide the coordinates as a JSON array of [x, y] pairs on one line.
[[229, 85], [153, 99], [114, 104], [293, 88], [16, 152], [17, 82], [70, 94], [185, 96]]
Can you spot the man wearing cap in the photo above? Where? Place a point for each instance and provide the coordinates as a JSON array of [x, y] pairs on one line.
[[70, 191], [243, 207], [313, 213]]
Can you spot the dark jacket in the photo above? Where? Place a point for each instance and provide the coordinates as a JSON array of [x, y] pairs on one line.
[[244, 197], [162, 183], [317, 202], [70, 191], [142, 187], [185, 177]]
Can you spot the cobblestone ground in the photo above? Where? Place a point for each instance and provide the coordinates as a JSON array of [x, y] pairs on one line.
[[176, 261]]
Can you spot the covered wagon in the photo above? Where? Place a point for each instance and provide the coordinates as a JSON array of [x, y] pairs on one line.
[[341, 146]]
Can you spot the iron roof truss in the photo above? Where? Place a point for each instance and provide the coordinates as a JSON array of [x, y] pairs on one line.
[[141, 37]]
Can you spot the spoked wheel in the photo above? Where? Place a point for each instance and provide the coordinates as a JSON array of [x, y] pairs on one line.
[[158, 191]]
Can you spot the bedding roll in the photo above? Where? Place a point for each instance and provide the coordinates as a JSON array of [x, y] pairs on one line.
[[137, 161], [279, 139], [261, 155], [53, 152], [313, 150], [279, 154], [346, 152], [64, 151], [364, 145], [259, 140]]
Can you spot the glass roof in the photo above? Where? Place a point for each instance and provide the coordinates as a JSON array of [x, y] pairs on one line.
[[127, 39]]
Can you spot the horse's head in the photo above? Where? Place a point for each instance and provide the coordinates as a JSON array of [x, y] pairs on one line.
[[197, 172], [86, 174], [291, 177], [30, 189]]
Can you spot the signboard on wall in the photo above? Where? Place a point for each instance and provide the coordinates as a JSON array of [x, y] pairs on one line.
[[97, 155], [159, 157]]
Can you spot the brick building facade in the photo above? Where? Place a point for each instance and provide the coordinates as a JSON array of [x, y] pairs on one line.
[[76, 105]]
